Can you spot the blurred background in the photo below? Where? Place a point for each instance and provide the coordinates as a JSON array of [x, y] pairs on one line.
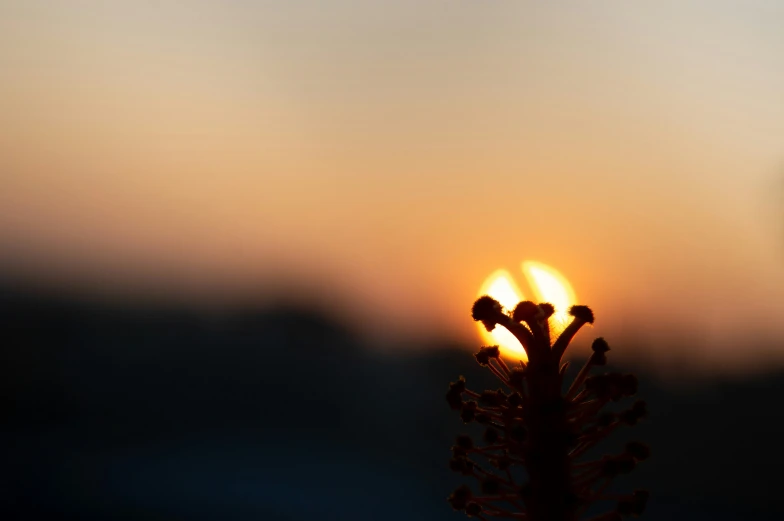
[[239, 242]]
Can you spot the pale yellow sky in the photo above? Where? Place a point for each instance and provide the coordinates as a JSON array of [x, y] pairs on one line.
[[395, 153]]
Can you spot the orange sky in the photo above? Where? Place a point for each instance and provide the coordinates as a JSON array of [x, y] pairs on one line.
[[395, 153]]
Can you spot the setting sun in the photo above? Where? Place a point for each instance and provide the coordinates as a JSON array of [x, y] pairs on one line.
[[550, 286], [546, 284]]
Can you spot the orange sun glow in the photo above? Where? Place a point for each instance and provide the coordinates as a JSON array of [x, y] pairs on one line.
[[547, 285]]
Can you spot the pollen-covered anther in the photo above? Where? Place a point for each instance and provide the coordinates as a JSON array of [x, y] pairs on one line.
[[454, 399], [459, 385], [468, 411], [486, 353], [525, 310], [600, 345], [487, 310], [547, 310], [582, 313], [455, 394], [493, 398], [599, 355]]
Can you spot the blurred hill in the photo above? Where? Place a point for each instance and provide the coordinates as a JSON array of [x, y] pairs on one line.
[[132, 411]]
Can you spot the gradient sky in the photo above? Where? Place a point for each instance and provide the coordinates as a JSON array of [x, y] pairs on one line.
[[392, 154]]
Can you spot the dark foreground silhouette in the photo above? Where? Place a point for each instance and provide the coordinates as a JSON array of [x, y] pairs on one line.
[[134, 412]]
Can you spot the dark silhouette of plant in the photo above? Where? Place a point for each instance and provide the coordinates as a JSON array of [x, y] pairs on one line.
[[527, 464]]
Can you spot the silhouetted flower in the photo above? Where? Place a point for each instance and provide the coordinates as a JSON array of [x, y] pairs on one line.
[[535, 425]]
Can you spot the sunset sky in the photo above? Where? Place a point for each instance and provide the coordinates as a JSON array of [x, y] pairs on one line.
[[390, 155]]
